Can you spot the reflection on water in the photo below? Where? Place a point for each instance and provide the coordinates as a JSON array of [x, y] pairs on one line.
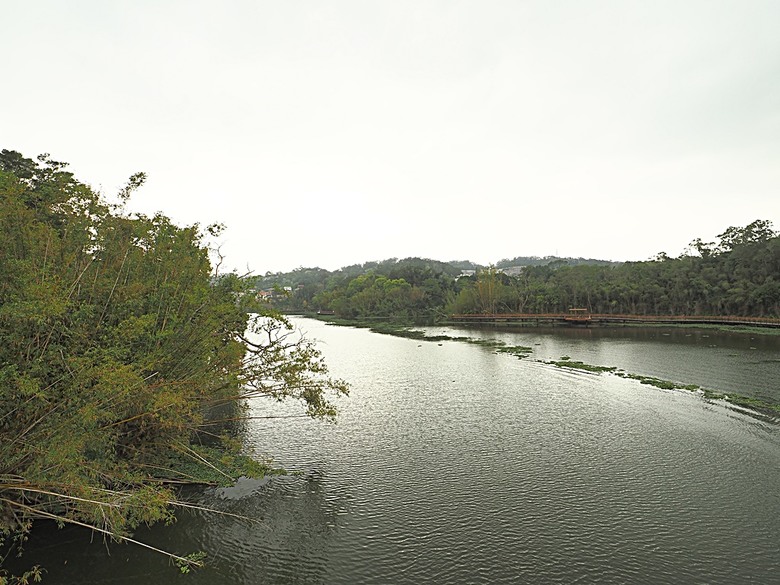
[[453, 464]]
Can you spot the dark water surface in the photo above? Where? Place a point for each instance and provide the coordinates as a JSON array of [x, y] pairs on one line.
[[453, 464]]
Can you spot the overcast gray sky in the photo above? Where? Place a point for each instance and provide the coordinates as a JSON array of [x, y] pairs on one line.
[[326, 133]]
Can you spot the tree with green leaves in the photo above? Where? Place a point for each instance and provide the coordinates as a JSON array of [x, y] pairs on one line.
[[116, 342]]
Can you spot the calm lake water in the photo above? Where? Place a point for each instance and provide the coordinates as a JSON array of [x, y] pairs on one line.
[[453, 464]]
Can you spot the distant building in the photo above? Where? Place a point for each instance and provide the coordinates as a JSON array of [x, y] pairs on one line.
[[514, 270]]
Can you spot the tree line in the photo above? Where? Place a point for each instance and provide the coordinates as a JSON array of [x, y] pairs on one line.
[[739, 274], [412, 289]]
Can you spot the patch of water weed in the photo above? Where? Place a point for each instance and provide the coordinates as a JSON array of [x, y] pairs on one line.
[[519, 351], [753, 403], [395, 329], [409, 332], [711, 394], [736, 399], [731, 328], [756, 404], [488, 343], [657, 382], [567, 362]]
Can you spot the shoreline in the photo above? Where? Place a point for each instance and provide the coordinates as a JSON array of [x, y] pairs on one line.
[[386, 325]]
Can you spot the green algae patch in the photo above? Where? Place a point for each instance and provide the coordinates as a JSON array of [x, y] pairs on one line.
[[394, 329], [735, 399], [567, 362], [752, 403], [409, 332], [519, 351], [657, 382], [755, 404]]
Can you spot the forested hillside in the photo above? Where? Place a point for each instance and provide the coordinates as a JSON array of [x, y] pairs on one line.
[[737, 275], [116, 341], [409, 289]]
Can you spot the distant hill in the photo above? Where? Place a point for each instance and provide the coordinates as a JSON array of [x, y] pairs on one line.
[[545, 260], [464, 264], [413, 269], [737, 276]]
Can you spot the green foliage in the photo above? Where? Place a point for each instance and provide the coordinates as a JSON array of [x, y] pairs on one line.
[[34, 575], [211, 465], [412, 290], [116, 339], [739, 275], [195, 559]]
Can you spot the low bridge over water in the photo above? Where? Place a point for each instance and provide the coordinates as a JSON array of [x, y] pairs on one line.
[[582, 318]]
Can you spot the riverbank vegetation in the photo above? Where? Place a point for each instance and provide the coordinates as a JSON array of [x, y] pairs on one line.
[[117, 340], [738, 275]]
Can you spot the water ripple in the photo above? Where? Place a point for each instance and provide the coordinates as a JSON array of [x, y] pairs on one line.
[[452, 464]]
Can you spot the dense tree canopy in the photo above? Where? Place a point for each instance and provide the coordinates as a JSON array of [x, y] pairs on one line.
[[412, 289], [737, 275], [116, 339], [740, 275]]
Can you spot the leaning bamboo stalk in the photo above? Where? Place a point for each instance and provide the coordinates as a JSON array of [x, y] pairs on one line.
[[119, 538]]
